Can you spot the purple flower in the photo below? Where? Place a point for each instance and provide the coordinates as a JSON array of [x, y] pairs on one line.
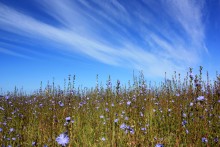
[[143, 129], [106, 109], [61, 104], [34, 143], [123, 126], [200, 98], [131, 130], [191, 75], [126, 118], [159, 145], [116, 120], [184, 122], [129, 103], [141, 114], [184, 115], [204, 139], [68, 119], [13, 138], [7, 97], [62, 139], [11, 129]]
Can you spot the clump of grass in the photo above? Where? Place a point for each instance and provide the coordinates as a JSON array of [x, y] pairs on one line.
[[175, 113]]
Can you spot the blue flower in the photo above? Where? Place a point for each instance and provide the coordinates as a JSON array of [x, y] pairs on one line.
[[159, 145], [11, 129], [204, 139], [7, 97], [191, 75], [130, 129], [68, 119], [13, 138], [62, 139], [61, 104], [129, 103], [116, 120], [123, 126], [143, 129], [126, 118], [184, 122], [200, 98], [184, 115], [34, 143]]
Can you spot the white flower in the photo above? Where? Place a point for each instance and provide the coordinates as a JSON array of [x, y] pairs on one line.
[[62, 139]]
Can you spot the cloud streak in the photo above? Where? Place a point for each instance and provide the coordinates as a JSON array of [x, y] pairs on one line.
[[12, 53], [113, 33]]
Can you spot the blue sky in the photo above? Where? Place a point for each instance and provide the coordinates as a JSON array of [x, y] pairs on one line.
[[46, 39]]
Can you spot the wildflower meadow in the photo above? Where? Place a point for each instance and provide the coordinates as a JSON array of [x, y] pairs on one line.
[[181, 111]]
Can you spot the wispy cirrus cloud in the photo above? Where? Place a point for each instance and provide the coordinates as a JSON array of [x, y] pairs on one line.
[[151, 36], [12, 53]]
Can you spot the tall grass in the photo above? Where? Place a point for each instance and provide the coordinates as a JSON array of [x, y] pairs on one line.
[[175, 113]]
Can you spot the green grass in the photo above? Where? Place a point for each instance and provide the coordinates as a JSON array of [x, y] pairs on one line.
[[156, 115]]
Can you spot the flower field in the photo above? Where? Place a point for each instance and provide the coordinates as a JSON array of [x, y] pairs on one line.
[[176, 112]]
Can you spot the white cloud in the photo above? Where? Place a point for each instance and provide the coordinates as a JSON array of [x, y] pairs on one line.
[[12, 53], [107, 34], [190, 15]]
